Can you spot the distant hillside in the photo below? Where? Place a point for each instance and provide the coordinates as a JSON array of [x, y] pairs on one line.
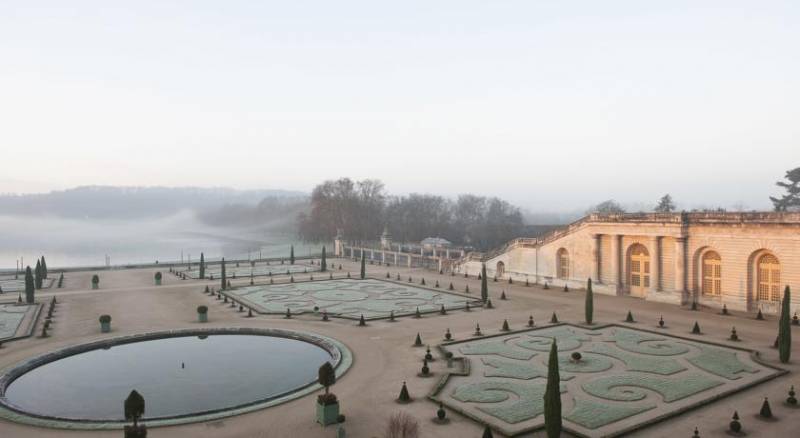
[[109, 202]]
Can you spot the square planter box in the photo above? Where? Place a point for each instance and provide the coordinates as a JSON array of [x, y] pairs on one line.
[[105, 327], [202, 317], [327, 414]]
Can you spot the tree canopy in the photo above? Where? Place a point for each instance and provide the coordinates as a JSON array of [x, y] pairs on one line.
[[665, 204], [361, 209], [790, 201], [606, 207]]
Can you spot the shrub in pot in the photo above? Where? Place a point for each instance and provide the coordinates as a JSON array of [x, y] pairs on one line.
[[95, 281], [105, 323], [202, 313], [327, 403], [157, 278]]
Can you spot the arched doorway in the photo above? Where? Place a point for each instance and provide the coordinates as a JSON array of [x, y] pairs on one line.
[[712, 274], [768, 280], [639, 270], [501, 269]]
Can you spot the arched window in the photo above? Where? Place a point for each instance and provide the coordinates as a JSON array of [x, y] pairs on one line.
[[712, 273], [501, 269], [562, 264], [769, 278]]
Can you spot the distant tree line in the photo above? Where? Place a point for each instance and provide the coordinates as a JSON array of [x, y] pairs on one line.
[[361, 210]]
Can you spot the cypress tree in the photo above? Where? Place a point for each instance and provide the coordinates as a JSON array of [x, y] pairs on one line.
[[37, 277], [30, 287], [784, 329], [363, 266], [323, 264], [552, 396], [484, 285], [291, 255], [44, 268], [589, 302], [222, 279], [202, 266]]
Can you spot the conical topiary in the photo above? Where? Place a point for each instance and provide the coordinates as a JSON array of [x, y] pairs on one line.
[[442, 311], [418, 341], [417, 314], [694, 305], [410, 280], [428, 355], [546, 286], [466, 288], [425, 370], [484, 286], [734, 335], [398, 277], [466, 307], [388, 276], [785, 329], [725, 309], [629, 318], [478, 330], [791, 400], [696, 433], [589, 302], [391, 315], [759, 315], [422, 282], [696, 328], [766, 411], [530, 321], [451, 286], [566, 288], [404, 396], [447, 335], [361, 321], [487, 432], [489, 304], [249, 313], [554, 319], [661, 321], [505, 327], [735, 426], [503, 295], [288, 313], [552, 395], [436, 284]]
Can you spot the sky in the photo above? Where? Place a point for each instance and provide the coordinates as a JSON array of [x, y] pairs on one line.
[[553, 105]]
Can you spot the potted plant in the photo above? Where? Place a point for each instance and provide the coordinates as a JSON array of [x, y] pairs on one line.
[[134, 410], [327, 404], [157, 278], [105, 323], [202, 313], [95, 281]]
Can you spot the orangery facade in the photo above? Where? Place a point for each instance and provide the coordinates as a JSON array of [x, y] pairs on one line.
[[740, 260]]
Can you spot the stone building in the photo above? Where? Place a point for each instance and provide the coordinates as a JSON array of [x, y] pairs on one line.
[[741, 260]]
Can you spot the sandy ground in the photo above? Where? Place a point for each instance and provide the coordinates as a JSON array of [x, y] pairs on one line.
[[383, 354]]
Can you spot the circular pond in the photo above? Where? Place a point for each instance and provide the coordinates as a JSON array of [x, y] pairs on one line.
[[181, 374]]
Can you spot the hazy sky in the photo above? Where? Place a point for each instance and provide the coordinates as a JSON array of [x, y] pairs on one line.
[[551, 104]]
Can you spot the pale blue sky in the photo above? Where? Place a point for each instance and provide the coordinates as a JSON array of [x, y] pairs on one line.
[[550, 104]]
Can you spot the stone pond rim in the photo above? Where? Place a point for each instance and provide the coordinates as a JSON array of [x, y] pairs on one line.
[[341, 357]]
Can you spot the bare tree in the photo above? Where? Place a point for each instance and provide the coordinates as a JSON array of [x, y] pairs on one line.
[[402, 425]]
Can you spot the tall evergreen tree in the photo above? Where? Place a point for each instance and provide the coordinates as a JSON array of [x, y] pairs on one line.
[[791, 200], [363, 265], [291, 255], [223, 283], [552, 396], [484, 284], [202, 266], [589, 305], [665, 204], [784, 328], [44, 268], [37, 276], [30, 287], [323, 264]]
